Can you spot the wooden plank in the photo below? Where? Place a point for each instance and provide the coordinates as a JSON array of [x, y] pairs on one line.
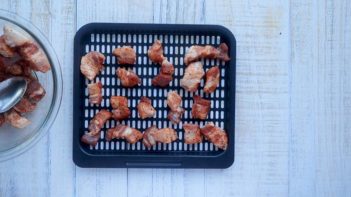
[[61, 168], [320, 99], [29, 173], [178, 182], [302, 160], [261, 164], [114, 11], [102, 182], [333, 172]]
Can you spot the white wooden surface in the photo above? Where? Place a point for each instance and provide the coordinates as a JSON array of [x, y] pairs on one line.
[[293, 117]]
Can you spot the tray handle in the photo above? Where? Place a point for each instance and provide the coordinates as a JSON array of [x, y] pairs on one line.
[[152, 164]]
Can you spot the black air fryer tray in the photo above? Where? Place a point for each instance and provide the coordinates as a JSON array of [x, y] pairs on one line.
[[176, 39]]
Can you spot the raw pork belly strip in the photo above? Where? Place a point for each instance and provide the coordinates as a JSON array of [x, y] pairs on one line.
[[192, 76], [95, 93], [197, 52], [192, 133], [18, 68], [120, 107], [95, 125], [128, 77], [124, 132], [145, 109], [5, 50], [91, 64], [201, 108], [25, 106], [125, 55], [215, 135], [26, 47], [2, 119], [15, 119], [165, 76], [155, 52], [174, 102], [34, 93], [152, 135], [212, 79]]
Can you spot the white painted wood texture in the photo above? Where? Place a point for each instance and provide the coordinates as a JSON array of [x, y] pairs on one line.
[[293, 104]]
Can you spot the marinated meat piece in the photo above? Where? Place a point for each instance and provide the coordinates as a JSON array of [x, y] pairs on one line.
[[145, 109], [174, 102], [125, 55], [196, 52], [35, 92], [95, 125], [148, 139], [128, 77], [95, 93], [118, 101], [192, 134], [201, 108], [25, 106], [35, 56], [15, 119], [14, 69], [165, 135], [215, 135], [90, 139], [212, 80], [165, 76], [174, 116], [152, 135], [91, 64], [120, 107], [2, 64], [167, 67], [155, 52], [98, 121], [30, 56], [3, 76], [121, 113], [124, 132], [222, 53], [26, 70], [2, 119], [162, 80], [27, 48], [192, 76], [193, 54], [5, 50], [19, 68], [14, 37]]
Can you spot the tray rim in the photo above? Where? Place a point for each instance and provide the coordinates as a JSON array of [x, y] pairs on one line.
[[86, 160]]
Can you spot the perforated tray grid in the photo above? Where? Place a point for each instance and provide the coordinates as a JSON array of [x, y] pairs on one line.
[[176, 39]]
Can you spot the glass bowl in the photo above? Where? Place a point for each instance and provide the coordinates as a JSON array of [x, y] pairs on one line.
[[15, 141]]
